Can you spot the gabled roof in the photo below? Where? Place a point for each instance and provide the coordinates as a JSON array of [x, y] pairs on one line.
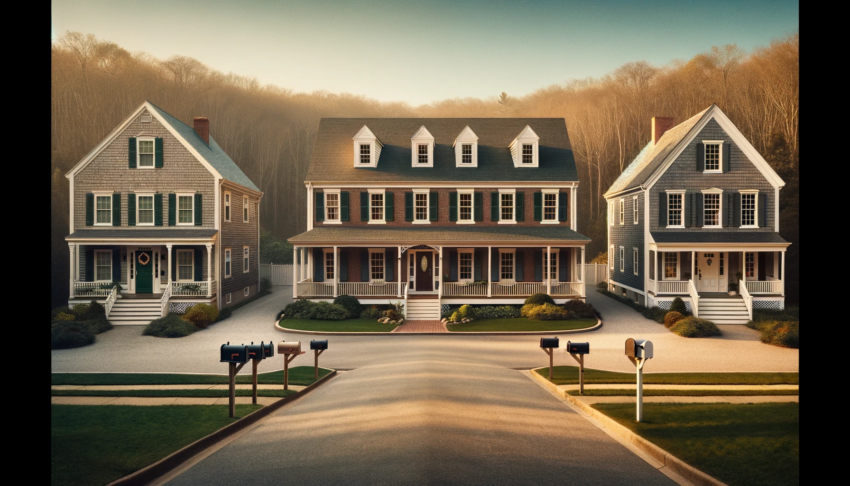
[[467, 135], [332, 151], [718, 237], [441, 234]]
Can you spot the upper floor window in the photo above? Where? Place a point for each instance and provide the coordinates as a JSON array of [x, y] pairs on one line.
[[466, 153], [376, 206], [422, 148], [712, 210], [104, 210], [420, 206], [365, 154], [466, 148], [622, 259], [748, 209], [367, 148], [185, 209], [465, 206], [675, 209], [635, 208], [145, 152], [245, 206], [144, 210], [245, 260], [713, 156], [423, 153], [527, 153], [525, 148], [611, 257], [228, 253], [635, 265], [611, 212], [331, 207], [227, 206], [506, 205], [622, 211], [550, 206]]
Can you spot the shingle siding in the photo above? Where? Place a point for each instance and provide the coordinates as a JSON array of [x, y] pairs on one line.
[[234, 235], [629, 236]]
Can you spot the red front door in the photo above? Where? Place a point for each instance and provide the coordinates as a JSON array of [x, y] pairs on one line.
[[424, 271]]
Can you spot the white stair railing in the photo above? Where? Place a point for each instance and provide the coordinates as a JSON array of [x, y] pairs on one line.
[[110, 300], [748, 299], [163, 301], [692, 290]]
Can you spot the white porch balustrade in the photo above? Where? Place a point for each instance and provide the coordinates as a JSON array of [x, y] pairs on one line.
[[672, 287], [93, 289], [764, 286], [458, 289], [199, 289]]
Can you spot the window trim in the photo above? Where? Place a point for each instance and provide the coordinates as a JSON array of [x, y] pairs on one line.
[[383, 253], [383, 194], [139, 153], [325, 268], [622, 210], [139, 196], [107, 195], [635, 208], [246, 259], [95, 265], [513, 206], [719, 193], [635, 262], [246, 206], [557, 193], [755, 274], [227, 298], [177, 266], [246, 291], [471, 155], [719, 144], [622, 259], [471, 219], [228, 198], [682, 193], [471, 253], [191, 196], [664, 265], [338, 219], [360, 154], [547, 274], [228, 262], [755, 210], [427, 219], [611, 212], [503, 251], [611, 258]]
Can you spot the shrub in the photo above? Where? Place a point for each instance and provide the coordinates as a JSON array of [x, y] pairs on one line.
[[540, 299], [265, 284], [371, 313], [62, 316], [780, 333], [678, 305], [466, 312], [581, 308], [455, 317], [602, 285], [695, 327], [61, 310], [392, 314], [655, 313], [329, 312], [201, 315], [97, 325], [500, 312], [671, 318], [349, 303], [80, 311], [525, 309], [170, 326], [300, 309], [548, 312], [448, 311], [70, 335]]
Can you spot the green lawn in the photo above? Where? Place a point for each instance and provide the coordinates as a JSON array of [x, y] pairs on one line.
[[299, 375], [520, 324], [752, 444], [568, 375], [680, 393], [94, 445], [169, 393], [347, 325]]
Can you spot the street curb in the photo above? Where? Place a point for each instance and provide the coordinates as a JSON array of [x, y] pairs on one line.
[[670, 461], [449, 333], [165, 465]]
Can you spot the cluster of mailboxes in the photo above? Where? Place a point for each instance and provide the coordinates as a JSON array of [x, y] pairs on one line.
[[319, 345], [638, 348], [573, 348], [241, 353], [284, 347]]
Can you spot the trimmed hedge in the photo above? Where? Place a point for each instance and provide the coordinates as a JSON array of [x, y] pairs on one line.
[[66, 335], [349, 303], [496, 312], [300, 309], [581, 308], [540, 299], [671, 318], [548, 312], [691, 327], [170, 326]]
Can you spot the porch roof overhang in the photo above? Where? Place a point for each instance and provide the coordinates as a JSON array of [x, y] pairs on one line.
[[442, 235], [126, 236], [731, 241]]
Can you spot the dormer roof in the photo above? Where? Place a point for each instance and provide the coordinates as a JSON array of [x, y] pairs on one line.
[[466, 135]]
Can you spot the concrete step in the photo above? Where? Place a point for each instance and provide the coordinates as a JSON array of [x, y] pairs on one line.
[[706, 314], [727, 321], [135, 322], [734, 299], [722, 307]]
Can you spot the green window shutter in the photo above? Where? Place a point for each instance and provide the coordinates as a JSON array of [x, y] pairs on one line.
[[476, 264], [364, 265], [199, 264], [538, 206], [157, 209], [132, 153], [157, 152], [700, 157], [494, 206], [389, 265], [562, 206], [172, 209], [320, 206], [389, 207], [520, 265], [727, 156], [452, 206], [131, 209], [343, 203], [318, 265], [408, 206], [89, 209], [89, 274], [662, 209], [364, 206], [343, 266], [736, 209], [729, 212], [478, 199], [199, 207], [453, 263], [538, 265], [116, 263], [433, 204], [494, 265], [762, 197], [700, 221], [116, 209], [519, 212]]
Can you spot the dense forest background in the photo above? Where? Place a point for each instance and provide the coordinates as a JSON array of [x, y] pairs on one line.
[[269, 131]]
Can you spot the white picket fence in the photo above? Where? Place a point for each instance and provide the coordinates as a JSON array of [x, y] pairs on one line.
[[278, 274], [595, 273]]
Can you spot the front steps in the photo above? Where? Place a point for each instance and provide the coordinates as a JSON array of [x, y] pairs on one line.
[[422, 310], [724, 311], [134, 312]]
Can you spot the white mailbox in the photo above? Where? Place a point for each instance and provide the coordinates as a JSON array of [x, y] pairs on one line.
[[638, 348]]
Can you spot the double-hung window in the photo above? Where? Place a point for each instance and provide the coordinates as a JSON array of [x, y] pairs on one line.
[[376, 265], [506, 206], [376, 206], [227, 206], [466, 210], [245, 260], [422, 153], [712, 209], [507, 260], [104, 210], [465, 265], [185, 209], [551, 270], [185, 265], [329, 265], [145, 151], [675, 207], [671, 265], [748, 209], [331, 207], [103, 265], [611, 213], [611, 258], [245, 206], [527, 153], [622, 259], [750, 264], [228, 256], [713, 156], [635, 265], [466, 153], [550, 206], [144, 210], [420, 206], [622, 211], [365, 153], [635, 208]]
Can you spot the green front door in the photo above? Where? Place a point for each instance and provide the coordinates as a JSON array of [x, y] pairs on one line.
[[144, 272]]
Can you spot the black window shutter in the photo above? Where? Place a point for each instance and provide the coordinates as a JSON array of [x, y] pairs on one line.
[[343, 266], [562, 207], [662, 209], [727, 156], [519, 213], [520, 265], [736, 209], [132, 153], [700, 213], [389, 207], [89, 275], [320, 206], [433, 205], [700, 157], [389, 265], [453, 263], [494, 206], [687, 206], [762, 197], [116, 209], [89, 209], [729, 212], [131, 209], [538, 206], [199, 264], [318, 265], [478, 198], [343, 204], [452, 206], [364, 265], [408, 206], [364, 206], [538, 265], [172, 209], [476, 258], [564, 266], [199, 210], [116, 263], [494, 266], [157, 152], [157, 209], [651, 265]]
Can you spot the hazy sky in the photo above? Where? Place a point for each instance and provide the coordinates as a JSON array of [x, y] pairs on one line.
[[425, 50]]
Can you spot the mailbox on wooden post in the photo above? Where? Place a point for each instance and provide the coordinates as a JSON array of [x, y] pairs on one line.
[[318, 348], [547, 345], [289, 350], [638, 351], [577, 351], [233, 354], [258, 352]]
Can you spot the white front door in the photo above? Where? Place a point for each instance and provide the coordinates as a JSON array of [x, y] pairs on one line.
[[708, 277]]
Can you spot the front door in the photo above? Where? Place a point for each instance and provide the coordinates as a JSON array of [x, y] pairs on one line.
[[144, 272], [708, 272], [424, 271]]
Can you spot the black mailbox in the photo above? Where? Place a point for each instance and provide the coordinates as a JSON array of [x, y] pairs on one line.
[[233, 353], [268, 349], [319, 344], [578, 348], [549, 342], [256, 351]]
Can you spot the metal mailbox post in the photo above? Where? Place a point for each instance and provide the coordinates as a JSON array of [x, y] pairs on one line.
[[577, 351], [638, 351], [548, 344], [258, 352], [233, 354], [289, 350], [318, 348]]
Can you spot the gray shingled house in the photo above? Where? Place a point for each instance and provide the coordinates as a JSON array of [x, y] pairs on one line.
[[696, 207], [435, 211], [160, 208]]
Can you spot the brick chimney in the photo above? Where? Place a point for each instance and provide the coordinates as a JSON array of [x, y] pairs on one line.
[[660, 124], [202, 127]]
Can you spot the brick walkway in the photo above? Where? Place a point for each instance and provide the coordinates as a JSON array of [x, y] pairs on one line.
[[421, 326]]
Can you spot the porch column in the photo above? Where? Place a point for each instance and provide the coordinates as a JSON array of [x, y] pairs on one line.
[[336, 275], [743, 268], [167, 245], [783, 274], [693, 265], [71, 248], [296, 271], [546, 270], [440, 284], [583, 285], [398, 283], [489, 271], [209, 270]]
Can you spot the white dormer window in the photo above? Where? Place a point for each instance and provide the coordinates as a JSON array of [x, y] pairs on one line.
[[525, 149], [466, 148], [367, 148], [422, 148]]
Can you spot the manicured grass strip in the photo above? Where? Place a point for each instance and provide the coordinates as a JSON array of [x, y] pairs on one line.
[[299, 375], [520, 324], [347, 325], [98, 444], [746, 444], [568, 375], [683, 393], [169, 393]]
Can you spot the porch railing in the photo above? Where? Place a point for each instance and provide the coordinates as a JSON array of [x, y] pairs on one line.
[[692, 290], [367, 289], [458, 289], [315, 289], [190, 288], [517, 289], [565, 288], [92, 289], [163, 301], [764, 286], [110, 300], [748, 300], [672, 287]]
